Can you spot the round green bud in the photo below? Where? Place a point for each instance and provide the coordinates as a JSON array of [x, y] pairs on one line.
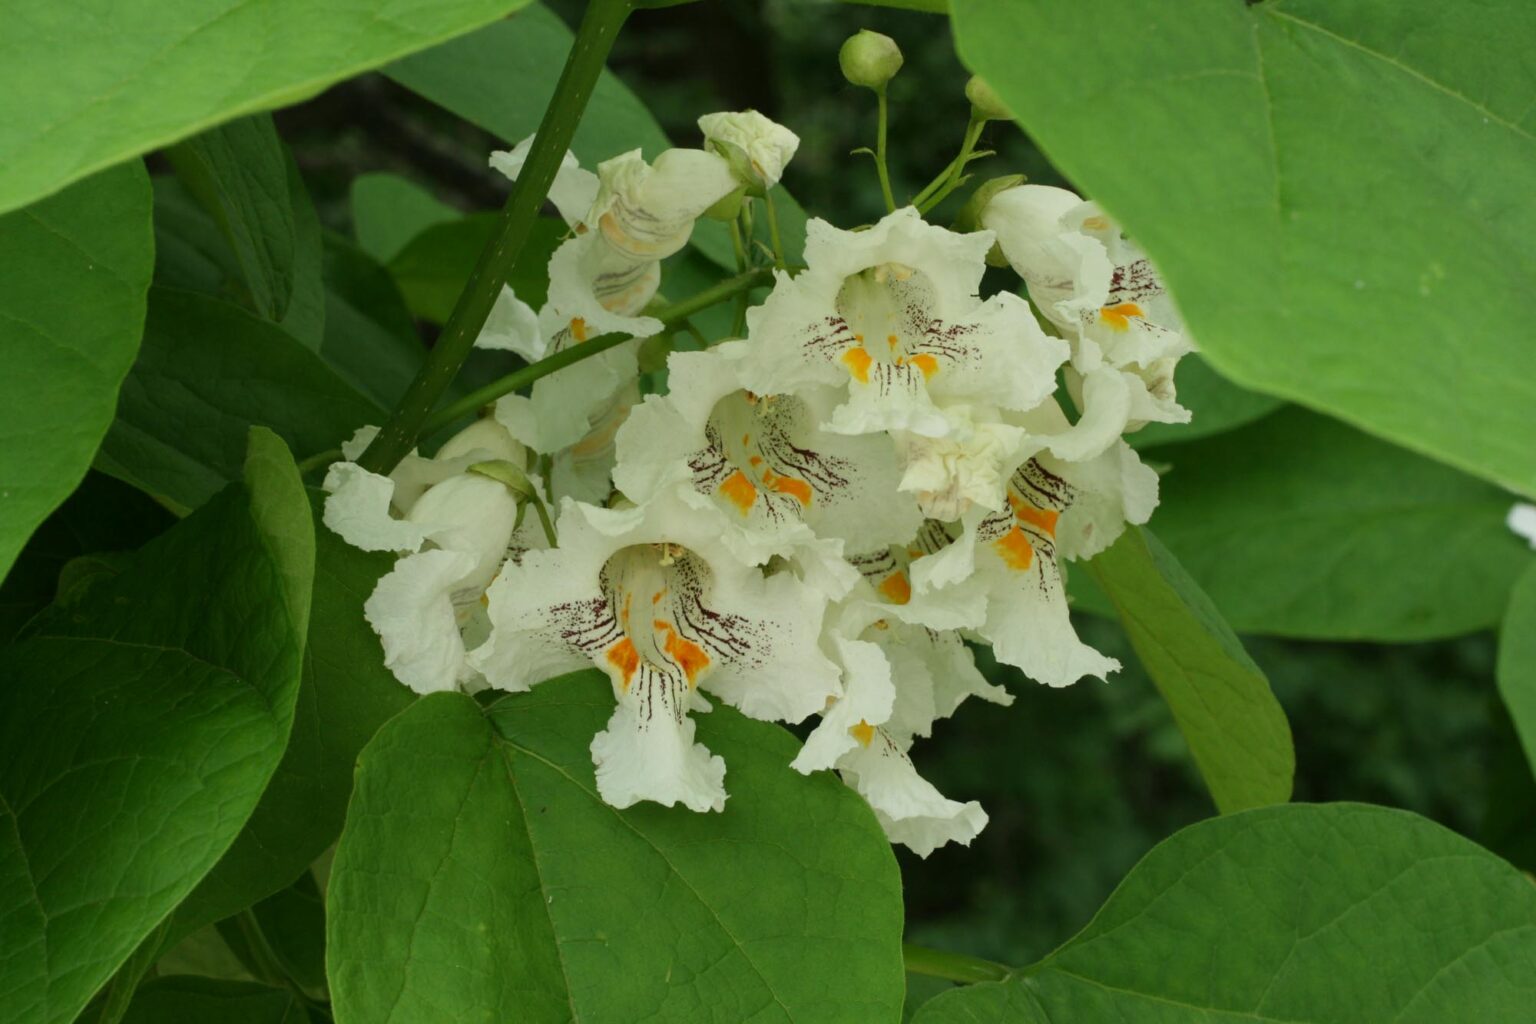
[[985, 103], [869, 59]]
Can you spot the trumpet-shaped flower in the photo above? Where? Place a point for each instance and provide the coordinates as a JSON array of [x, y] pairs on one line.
[[1007, 565], [650, 596], [756, 147], [891, 317], [775, 480], [1104, 294], [646, 211]]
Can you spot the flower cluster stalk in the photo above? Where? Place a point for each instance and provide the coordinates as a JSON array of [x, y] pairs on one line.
[[594, 38]]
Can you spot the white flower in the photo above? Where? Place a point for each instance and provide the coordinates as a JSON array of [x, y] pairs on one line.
[[891, 314], [369, 511], [650, 596], [419, 607], [776, 481], [1006, 565], [1522, 520], [599, 282], [757, 148], [647, 210], [572, 191], [966, 466], [1100, 289]]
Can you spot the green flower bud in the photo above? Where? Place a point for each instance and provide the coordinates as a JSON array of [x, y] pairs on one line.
[[985, 103], [869, 59]]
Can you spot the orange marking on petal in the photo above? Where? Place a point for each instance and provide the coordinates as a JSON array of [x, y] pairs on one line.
[[1096, 223], [925, 362], [739, 491], [626, 659], [896, 588], [689, 656], [756, 460], [795, 488], [624, 612], [890, 339], [656, 597], [746, 439], [863, 732], [1119, 316], [1016, 551], [857, 360], [1043, 518], [579, 329]]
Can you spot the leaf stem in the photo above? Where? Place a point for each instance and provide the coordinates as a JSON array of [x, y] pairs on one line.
[[668, 315], [937, 963], [880, 168], [594, 38]]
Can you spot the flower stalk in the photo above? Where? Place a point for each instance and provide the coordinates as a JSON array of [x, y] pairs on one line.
[[957, 967], [594, 39]]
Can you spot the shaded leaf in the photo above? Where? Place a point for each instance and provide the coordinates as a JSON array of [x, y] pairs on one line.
[[1216, 404], [1300, 526], [192, 1000], [388, 211], [1320, 914], [71, 314], [208, 370], [239, 173], [137, 730], [345, 695], [1517, 662], [1220, 699]]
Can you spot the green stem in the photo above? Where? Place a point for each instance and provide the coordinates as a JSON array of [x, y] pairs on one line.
[[318, 460], [599, 27], [773, 231], [668, 315], [880, 168], [950, 178], [936, 963]]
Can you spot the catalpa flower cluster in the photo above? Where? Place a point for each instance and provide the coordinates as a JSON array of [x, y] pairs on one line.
[[815, 518]]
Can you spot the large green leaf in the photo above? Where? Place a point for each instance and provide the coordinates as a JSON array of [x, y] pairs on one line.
[[138, 727], [1235, 728], [1324, 914], [1300, 526], [431, 269], [1517, 662], [239, 173], [1331, 189], [501, 77], [207, 371], [480, 877], [192, 1000], [345, 695], [71, 311], [126, 78]]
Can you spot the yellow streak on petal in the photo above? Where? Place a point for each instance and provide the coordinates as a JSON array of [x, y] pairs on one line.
[[896, 588], [626, 659], [579, 329], [1119, 316], [857, 360], [863, 732], [1015, 549], [739, 491]]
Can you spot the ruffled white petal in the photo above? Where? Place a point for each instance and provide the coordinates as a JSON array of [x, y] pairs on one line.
[[573, 189], [867, 700], [357, 509], [412, 611], [646, 211], [647, 751], [513, 326], [909, 808], [759, 145]]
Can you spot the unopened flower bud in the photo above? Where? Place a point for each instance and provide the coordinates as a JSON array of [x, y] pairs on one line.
[[985, 103], [869, 59]]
